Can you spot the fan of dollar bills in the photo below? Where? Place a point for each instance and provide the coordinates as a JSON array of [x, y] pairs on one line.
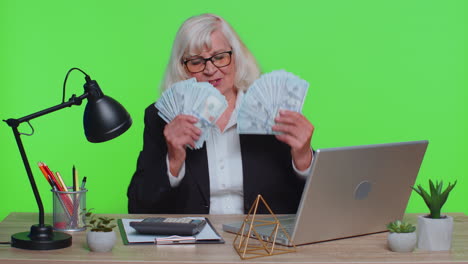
[[262, 101], [190, 97]]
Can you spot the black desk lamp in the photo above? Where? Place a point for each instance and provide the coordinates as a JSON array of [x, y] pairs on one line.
[[104, 119]]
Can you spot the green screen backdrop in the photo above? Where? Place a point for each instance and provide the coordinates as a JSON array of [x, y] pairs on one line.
[[379, 72]]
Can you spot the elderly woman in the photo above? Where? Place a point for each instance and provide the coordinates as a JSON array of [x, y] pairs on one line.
[[230, 170]]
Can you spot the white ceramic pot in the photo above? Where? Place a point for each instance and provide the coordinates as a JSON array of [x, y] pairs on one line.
[[402, 242], [101, 241], [435, 234]]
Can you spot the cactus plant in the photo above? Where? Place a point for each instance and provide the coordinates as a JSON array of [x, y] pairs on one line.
[[437, 198]]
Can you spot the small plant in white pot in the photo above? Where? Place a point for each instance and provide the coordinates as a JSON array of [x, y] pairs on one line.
[[402, 236], [101, 237], [435, 230]]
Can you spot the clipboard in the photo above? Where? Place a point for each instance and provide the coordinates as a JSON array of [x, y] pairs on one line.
[[130, 236]]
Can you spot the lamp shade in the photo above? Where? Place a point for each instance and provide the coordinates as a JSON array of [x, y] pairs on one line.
[[104, 117]]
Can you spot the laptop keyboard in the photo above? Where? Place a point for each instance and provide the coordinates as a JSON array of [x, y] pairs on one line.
[[287, 222]]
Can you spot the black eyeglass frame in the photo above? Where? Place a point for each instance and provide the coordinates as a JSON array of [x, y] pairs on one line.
[[209, 59]]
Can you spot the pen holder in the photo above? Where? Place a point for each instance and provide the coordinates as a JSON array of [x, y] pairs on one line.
[[68, 210]]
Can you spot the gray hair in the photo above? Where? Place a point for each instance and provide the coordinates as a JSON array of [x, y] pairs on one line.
[[194, 35]]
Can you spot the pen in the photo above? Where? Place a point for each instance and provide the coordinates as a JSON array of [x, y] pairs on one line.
[[77, 203], [83, 183]]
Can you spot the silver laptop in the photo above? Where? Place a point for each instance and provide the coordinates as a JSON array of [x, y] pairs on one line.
[[351, 191]]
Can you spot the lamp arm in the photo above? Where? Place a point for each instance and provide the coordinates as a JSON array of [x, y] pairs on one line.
[[14, 123], [74, 100]]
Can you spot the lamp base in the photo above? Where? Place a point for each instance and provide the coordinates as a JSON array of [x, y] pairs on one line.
[[41, 238]]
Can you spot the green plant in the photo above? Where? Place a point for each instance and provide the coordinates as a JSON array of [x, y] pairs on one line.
[[437, 198], [400, 227], [99, 224]]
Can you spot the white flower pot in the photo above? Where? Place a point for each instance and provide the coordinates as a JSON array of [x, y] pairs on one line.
[[435, 234], [101, 241], [402, 242]]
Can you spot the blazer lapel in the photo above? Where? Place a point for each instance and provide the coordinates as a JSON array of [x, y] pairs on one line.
[[197, 166]]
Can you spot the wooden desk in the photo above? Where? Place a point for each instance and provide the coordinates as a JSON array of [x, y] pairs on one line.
[[365, 249]]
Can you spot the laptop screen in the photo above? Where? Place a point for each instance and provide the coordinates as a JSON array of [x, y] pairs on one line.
[[357, 190]]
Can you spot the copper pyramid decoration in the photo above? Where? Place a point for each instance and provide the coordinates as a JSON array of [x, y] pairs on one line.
[[249, 244]]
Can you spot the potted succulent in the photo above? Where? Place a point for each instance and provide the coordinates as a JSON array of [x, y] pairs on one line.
[[402, 236], [101, 237], [435, 230]]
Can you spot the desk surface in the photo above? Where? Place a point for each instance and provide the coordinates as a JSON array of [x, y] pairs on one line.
[[365, 249]]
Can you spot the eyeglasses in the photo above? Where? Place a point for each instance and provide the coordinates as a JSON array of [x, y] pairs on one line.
[[219, 60]]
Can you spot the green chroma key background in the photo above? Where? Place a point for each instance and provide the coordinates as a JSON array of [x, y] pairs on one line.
[[379, 72]]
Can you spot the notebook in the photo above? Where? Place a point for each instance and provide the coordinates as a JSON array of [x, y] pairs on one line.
[[351, 191]]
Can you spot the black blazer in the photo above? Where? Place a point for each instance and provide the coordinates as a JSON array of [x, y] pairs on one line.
[[266, 166]]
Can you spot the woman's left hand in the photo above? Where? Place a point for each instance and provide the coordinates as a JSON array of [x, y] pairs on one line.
[[297, 133]]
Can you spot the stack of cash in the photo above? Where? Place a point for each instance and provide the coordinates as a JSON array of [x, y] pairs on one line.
[[265, 97], [190, 97]]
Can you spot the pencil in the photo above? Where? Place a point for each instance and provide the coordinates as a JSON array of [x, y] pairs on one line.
[[41, 167], [60, 180]]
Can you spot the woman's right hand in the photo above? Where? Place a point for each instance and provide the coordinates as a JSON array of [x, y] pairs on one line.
[[179, 133]]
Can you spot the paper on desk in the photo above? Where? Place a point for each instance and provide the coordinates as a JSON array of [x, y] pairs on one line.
[[207, 233]]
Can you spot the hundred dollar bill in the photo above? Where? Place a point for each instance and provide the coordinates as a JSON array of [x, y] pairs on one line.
[[189, 97], [265, 97]]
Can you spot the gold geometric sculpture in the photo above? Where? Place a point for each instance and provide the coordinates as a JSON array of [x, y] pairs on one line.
[[248, 247]]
